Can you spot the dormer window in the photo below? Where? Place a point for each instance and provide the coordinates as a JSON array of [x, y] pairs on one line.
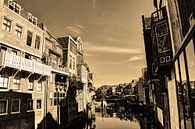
[[13, 5], [32, 19]]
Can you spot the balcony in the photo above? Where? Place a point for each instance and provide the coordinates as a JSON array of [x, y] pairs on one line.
[[13, 61], [61, 70]]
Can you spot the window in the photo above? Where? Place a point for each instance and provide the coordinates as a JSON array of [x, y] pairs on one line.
[[3, 106], [38, 104], [32, 19], [16, 85], [29, 38], [14, 6], [70, 64], [3, 81], [37, 42], [30, 85], [18, 31], [7, 24], [39, 86], [30, 104], [15, 105], [50, 100], [58, 97], [73, 63]]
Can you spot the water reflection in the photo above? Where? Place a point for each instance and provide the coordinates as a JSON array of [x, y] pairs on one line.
[[123, 117]]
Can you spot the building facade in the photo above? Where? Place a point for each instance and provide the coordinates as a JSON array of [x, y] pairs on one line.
[[37, 71], [171, 34], [22, 70]]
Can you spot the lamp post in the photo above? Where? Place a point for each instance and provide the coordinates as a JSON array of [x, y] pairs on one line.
[[58, 88]]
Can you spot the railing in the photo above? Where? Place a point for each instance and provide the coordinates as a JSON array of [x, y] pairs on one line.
[[63, 69], [17, 62]]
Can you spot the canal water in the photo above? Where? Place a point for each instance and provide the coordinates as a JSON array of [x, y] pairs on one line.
[[120, 119], [114, 122]]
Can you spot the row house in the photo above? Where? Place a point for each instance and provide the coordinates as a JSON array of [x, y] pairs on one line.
[[42, 78], [58, 80], [170, 32], [78, 93], [22, 74]]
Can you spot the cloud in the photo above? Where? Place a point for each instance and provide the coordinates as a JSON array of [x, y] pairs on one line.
[[106, 49], [135, 58], [111, 39], [75, 29], [79, 26]]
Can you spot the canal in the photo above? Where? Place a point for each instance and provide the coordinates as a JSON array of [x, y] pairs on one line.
[[118, 119], [114, 122]]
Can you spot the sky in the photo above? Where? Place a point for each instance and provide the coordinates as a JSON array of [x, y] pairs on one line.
[[111, 31]]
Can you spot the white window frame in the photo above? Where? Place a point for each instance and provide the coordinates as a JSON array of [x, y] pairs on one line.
[[15, 6], [19, 106], [32, 19], [31, 85], [39, 86], [18, 30], [4, 80], [6, 106], [16, 83], [7, 24]]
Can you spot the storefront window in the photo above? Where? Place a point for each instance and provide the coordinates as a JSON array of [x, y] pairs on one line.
[[190, 53]]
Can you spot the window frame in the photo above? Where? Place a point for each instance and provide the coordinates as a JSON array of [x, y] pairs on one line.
[[13, 5], [3, 77], [29, 38], [32, 19], [40, 103], [30, 88], [6, 107], [17, 83], [28, 105], [18, 105], [39, 84], [7, 24], [18, 30], [37, 42]]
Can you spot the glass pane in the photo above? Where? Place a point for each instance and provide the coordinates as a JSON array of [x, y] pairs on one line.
[[30, 105], [3, 106], [38, 104], [15, 105]]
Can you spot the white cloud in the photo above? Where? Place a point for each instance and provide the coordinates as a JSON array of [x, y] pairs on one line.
[[74, 30], [111, 39], [79, 26], [135, 58], [106, 49]]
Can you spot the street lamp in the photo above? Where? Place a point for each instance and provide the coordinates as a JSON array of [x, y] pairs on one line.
[[58, 87]]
